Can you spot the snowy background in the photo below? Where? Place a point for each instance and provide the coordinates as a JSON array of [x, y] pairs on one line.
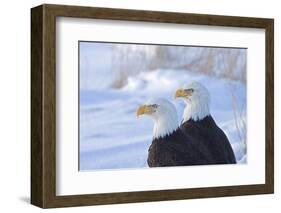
[[116, 78]]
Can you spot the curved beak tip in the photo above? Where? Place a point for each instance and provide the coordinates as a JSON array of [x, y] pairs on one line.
[[140, 111], [179, 93], [176, 95]]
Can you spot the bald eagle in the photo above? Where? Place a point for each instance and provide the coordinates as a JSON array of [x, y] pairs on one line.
[[170, 146], [199, 124]]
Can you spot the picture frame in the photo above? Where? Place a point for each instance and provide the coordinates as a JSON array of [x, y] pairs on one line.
[[44, 114]]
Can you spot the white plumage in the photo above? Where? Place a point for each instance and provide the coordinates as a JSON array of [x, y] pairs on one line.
[[164, 116], [198, 104]]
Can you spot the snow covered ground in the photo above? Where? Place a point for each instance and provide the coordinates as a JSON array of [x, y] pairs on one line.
[[111, 137]]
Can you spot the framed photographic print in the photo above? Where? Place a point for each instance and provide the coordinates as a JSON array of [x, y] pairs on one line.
[[135, 106]]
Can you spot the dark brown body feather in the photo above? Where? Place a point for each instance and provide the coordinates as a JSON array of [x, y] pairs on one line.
[[178, 149], [213, 138]]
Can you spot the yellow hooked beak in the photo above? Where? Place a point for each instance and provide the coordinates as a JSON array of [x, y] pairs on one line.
[[144, 109], [181, 93]]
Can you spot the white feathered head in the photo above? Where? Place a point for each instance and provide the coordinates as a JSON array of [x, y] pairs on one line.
[[197, 100], [164, 115]]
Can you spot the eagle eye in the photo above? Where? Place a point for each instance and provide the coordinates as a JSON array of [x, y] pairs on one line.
[[190, 90], [154, 106]]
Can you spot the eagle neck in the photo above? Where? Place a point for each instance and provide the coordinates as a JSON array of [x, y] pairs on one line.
[[196, 110], [165, 125]]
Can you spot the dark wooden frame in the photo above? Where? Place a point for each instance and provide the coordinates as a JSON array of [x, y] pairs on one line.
[[43, 105]]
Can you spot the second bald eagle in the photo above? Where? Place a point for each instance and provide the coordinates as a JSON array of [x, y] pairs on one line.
[[198, 123]]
